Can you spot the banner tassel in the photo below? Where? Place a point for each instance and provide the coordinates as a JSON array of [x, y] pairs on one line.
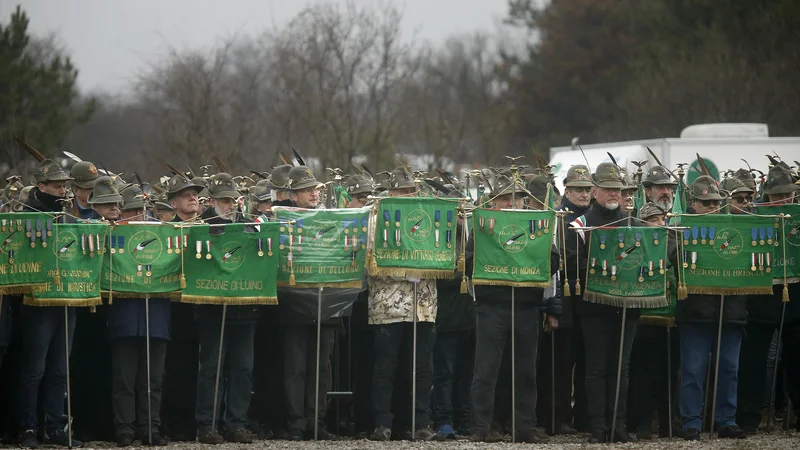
[[567, 292], [183, 281], [291, 279], [577, 286], [785, 293], [464, 289], [683, 293]]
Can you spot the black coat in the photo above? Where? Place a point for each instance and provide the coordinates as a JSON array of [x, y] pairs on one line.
[[127, 318], [577, 250]]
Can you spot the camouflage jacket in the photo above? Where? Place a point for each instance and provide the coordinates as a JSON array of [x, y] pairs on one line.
[[391, 300]]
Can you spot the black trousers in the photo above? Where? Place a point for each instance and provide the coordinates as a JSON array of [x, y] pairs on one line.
[[363, 350], [648, 386], [753, 373], [91, 388], [129, 384], [389, 340], [180, 388], [300, 362], [492, 333], [453, 362], [564, 361], [791, 358], [580, 416], [601, 338]]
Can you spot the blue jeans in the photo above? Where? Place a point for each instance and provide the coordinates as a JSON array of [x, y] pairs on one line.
[[44, 366], [697, 341], [236, 377]]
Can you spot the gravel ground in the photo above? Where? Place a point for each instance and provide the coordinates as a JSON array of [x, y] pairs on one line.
[[768, 441]]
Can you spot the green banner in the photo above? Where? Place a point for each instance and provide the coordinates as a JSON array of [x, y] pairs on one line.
[[727, 254], [142, 259], [26, 261], [627, 266], [414, 237], [323, 247], [512, 247], [786, 230], [234, 264], [78, 281]]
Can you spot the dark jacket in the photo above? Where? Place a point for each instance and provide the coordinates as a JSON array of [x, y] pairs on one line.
[[213, 313], [127, 318], [765, 309], [182, 324], [6, 321], [456, 311], [566, 319], [577, 250], [39, 201], [503, 293]]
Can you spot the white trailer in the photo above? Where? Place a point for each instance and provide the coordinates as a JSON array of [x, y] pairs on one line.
[[722, 146]]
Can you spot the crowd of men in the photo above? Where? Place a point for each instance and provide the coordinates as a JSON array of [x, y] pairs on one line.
[[567, 348]]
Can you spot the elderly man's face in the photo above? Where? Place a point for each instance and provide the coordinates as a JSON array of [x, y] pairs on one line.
[[606, 197], [579, 196], [662, 195], [108, 211], [505, 202]]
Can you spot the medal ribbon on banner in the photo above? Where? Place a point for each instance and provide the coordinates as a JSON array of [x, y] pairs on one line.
[[411, 239], [322, 247], [734, 254], [512, 248], [631, 273], [26, 258]]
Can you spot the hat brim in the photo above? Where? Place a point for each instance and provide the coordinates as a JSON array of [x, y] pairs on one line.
[[137, 204], [196, 187], [652, 214], [670, 183], [709, 196], [161, 206], [782, 189], [84, 185], [410, 185], [360, 190], [99, 200], [228, 193], [308, 184], [62, 177], [582, 183]]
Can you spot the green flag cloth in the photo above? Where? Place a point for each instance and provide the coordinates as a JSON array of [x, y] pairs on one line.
[[786, 238], [231, 264], [512, 247], [323, 247], [78, 283], [727, 254], [142, 260], [26, 259], [664, 316], [414, 237], [627, 267]]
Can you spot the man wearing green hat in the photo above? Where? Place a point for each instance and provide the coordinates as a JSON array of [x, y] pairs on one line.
[[83, 175], [659, 187], [43, 370], [105, 198], [279, 184], [600, 324], [763, 320], [491, 334], [390, 313], [240, 327], [261, 199], [359, 188], [698, 318], [183, 196]]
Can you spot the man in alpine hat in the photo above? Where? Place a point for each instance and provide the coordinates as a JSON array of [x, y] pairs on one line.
[[697, 318], [279, 185], [183, 196], [43, 370], [659, 187], [493, 328], [83, 175], [236, 379], [261, 199], [359, 187], [600, 324]]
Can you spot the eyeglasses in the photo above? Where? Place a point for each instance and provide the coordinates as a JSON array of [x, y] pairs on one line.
[[709, 203], [743, 199]]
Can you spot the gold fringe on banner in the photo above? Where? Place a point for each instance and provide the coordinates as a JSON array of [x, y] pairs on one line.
[[657, 321], [751, 290], [17, 289], [519, 284], [344, 285], [33, 301], [426, 274], [629, 302], [173, 296], [237, 301]]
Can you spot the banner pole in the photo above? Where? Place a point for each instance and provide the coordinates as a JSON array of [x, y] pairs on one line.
[[69, 391], [316, 374], [414, 370], [669, 379], [775, 369], [513, 368], [147, 355], [219, 365], [707, 389], [619, 375], [553, 380], [716, 363]]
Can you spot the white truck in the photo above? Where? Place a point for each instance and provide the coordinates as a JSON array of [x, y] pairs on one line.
[[722, 146]]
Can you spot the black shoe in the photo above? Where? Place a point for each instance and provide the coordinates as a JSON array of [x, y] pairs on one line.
[[644, 432], [565, 429], [124, 439], [597, 437], [491, 436], [295, 435], [529, 438], [732, 432], [322, 434], [60, 437], [623, 437], [427, 433], [209, 436], [381, 434], [28, 439], [691, 434], [240, 436], [157, 441]]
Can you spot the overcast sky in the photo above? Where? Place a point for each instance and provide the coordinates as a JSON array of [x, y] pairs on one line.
[[110, 41]]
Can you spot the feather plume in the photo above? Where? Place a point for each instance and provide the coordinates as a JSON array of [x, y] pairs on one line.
[[258, 174], [285, 158], [540, 161], [177, 172], [220, 167], [662, 165], [613, 160], [445, 176], [138, 179], [298, 158], [702, 163], [366, 169], [106, 171], [772, 160], [71, 156], [588, 166], [32, 151], [356, 170], [438, 186]]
